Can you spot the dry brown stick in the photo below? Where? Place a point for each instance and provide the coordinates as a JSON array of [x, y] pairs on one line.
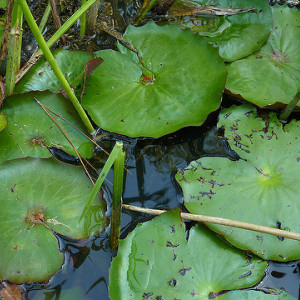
[[221, 221], [56, 20], [7, 28]]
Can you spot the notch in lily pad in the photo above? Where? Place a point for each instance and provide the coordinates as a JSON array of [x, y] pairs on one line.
[[179, 83], [40, 198], [260, 188]]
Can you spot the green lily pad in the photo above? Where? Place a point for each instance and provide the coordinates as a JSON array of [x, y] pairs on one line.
[[272, 75], [32, 190], [255, 295], [182, 83], [30, 130], [3, 121], [41, 77], [236, 36], [260, 188], [156, 262]]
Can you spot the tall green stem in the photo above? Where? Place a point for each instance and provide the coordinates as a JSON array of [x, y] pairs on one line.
[[14, 49], [45, 17], [64, 28], [117, 199], [58, 73], [82, 20]]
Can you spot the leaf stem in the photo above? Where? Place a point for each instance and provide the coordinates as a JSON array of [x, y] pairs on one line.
[[290, 107], [117, 198], [45, 18], [221, 221], [44, 47], [111, 159]]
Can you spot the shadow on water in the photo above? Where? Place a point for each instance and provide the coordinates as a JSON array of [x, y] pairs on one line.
[[149, 182]]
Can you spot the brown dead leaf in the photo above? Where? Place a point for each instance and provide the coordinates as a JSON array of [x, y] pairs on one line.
[[11, 291]]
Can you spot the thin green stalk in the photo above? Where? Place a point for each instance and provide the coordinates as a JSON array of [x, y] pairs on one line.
[[64, 28], [82, 20], [117, 200], [58, 73], [14, 49], [12, 59], [45, 18], [290, 107], [111, 159]]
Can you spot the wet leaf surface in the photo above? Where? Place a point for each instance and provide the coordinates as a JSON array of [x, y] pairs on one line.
[[260, 188], [179, 86], [271, 75], [35, 191], [236, 36], [41, 77], [30, 130], [157, 262], [257, 295]]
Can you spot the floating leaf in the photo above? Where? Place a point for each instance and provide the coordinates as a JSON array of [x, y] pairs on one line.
[[260, 188], [30, 130], [272, 75], [3, 121], [157, 262], [182, 83], [41, 77], [251, 295], [32, 190], [236, 36]]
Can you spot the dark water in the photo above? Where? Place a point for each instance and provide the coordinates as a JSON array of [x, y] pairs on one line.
[[152, 165]]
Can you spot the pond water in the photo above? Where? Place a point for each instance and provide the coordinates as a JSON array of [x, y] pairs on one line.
[[150, 183]]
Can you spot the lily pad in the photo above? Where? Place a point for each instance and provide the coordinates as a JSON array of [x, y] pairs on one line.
[[255, 295], [41, 77], [3, 121], [260, 188], [156, 262], [236, 36], [272, 75], [34, 191], [181, 83], [30, 130]]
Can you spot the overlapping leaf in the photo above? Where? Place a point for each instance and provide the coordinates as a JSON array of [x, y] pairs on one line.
[[41, 77], [236, 36], [272, 75]]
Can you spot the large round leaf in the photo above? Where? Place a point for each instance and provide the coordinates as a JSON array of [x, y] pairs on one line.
[[236, 36], [30, 130], [41, 77], [271, 75], [157, 262], [261, 189], [33, 189], [182, 82]]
